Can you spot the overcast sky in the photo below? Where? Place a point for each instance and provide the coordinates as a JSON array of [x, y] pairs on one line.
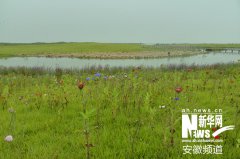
[[141, 21]]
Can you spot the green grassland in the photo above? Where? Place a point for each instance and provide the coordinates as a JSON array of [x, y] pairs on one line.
[[115, 115], [84, 49], [66, 48]]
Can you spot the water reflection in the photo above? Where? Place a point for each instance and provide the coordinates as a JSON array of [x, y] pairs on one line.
[[203, 59]]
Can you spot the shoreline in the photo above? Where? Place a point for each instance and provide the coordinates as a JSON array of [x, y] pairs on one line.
[[117, 55], [187, 68]]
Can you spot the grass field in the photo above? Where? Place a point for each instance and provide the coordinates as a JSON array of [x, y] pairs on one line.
[[116, 113], [65, 48], [105, 50]]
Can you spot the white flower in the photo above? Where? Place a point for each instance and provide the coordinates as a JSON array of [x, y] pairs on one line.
[[8, 138], [162, 107], [111, 76], [11, 110]]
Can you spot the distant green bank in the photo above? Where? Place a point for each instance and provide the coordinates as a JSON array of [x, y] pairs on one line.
[[65, 48], [90, 48]]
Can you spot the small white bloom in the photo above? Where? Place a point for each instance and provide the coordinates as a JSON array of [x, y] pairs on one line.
[[162, 107], [8, 138], [11, 110], [111, 76]]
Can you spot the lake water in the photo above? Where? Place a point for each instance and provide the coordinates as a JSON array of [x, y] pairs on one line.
[[46, 62]]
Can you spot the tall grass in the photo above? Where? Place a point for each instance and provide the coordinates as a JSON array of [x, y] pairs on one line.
[[115, 115]]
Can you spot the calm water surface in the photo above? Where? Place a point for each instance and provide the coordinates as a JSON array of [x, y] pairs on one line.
[[204, 59]]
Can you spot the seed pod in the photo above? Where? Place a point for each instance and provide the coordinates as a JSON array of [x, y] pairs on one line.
[[178, 89], [80, 85]]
